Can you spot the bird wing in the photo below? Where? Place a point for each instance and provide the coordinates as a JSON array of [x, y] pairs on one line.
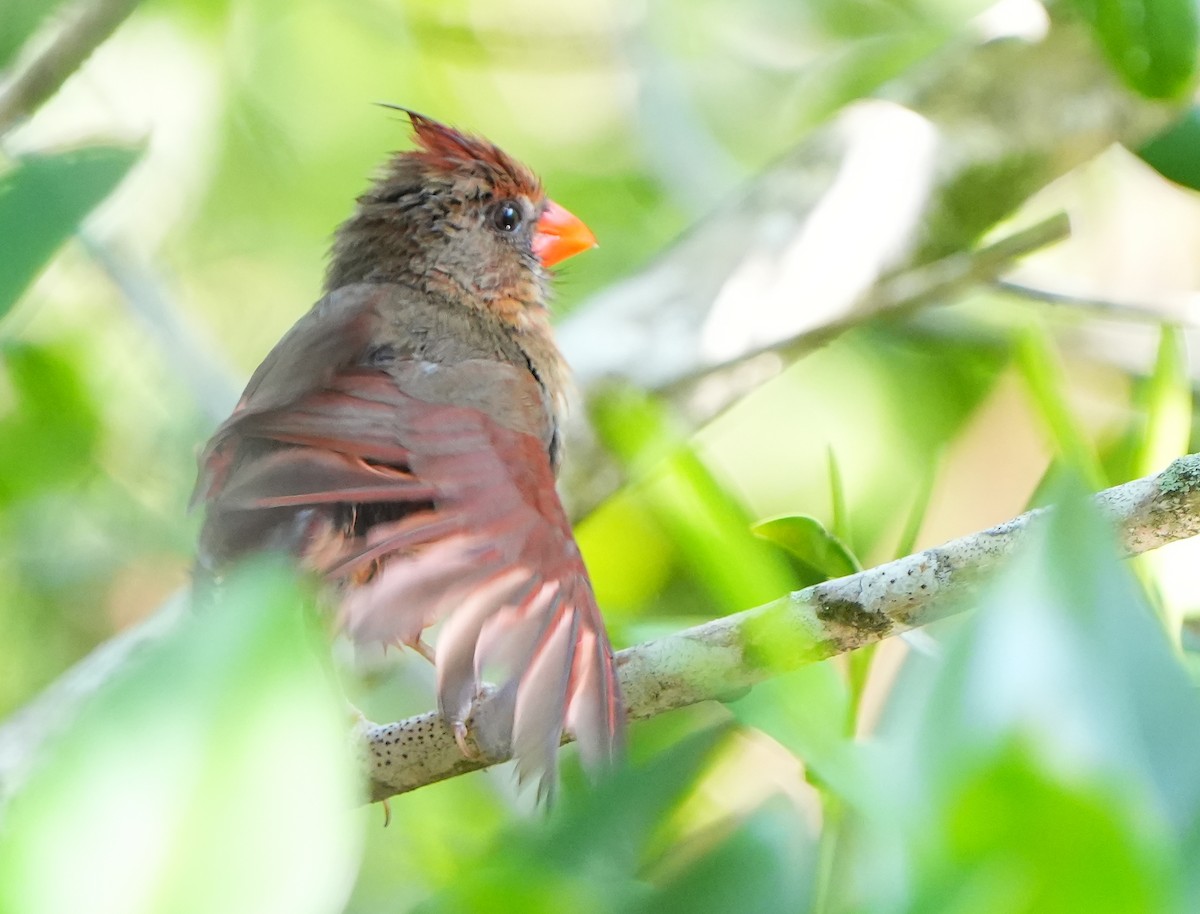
[[426, 491]]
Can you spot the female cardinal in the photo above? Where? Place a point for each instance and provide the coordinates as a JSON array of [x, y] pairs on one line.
[[403, 437]]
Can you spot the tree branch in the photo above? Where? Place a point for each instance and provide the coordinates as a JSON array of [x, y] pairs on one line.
[[896, 296], [85, 28], [728, 655]]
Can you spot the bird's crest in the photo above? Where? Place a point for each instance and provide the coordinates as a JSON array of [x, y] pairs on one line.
[[444, 149]]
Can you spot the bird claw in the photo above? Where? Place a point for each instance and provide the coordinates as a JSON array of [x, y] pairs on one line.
[[423, 647], [466, 742]]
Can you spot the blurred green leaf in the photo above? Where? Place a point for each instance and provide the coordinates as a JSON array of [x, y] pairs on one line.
[[813, 713], [858, 673], [212, 775], [807, 539], [978, 198], [837, 497], [588, 856], [710, 526], [1175, 153], [1065, 659], [805, 711], [42, 199], [1167, 399], [625, 814], [48, 423], [1021, 840], [764, 866], [916, 516], [18, 20], [1091, 654], [930, 388], [1044, 376], [1152, 44], [864, 64]]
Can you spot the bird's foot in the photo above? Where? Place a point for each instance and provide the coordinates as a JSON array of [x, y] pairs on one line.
[[466, 741], [425, 649]]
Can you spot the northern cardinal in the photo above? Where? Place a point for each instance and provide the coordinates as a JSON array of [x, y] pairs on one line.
[[402, 439]]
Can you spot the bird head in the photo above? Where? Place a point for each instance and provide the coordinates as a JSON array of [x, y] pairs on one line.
[[460, 216]]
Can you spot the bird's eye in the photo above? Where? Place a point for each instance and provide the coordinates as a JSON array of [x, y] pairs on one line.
[[506, 216]]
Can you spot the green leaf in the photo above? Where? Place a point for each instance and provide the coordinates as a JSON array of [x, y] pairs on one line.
[[42, 200], [916, 515], [587, 858], [805, 711], [48, 423], [18, 21], [707, 523], [1065, 663], [212, 775], [1168, 404], [622, 815], [837, 496], [1046, 380], [764, 866], [1092, 653], [807, 539], [1020, 839], [1152, 44], [1175, 153]]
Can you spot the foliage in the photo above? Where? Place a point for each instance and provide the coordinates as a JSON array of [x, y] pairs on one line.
[[212, 774], [1172, 152], [1037, 754], [1151, 44], [61, 189]]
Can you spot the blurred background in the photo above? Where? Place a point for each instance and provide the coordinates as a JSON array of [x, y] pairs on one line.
[[815, 158]]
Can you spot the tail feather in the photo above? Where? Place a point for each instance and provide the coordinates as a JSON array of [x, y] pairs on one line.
[[457, 654], [541, 702]]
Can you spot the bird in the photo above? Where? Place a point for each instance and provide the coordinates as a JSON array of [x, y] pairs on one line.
[[402, 441]]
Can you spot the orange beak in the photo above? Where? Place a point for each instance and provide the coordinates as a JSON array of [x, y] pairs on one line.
[[560, 235]]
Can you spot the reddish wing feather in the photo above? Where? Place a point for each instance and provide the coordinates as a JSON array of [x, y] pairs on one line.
[[329, 338], [479, 536]]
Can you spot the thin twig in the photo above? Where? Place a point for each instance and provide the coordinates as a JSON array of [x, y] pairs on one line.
[[1105, 307], [940, 282], [85, 27], [728, 655]]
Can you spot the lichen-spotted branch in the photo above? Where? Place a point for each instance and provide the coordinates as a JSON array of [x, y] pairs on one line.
[[725, 656]]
